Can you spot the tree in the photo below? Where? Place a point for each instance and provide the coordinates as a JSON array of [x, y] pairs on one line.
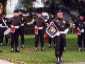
[[26, 3], [4, 2]]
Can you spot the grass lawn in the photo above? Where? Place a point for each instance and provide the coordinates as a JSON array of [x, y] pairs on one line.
[[29, 56]]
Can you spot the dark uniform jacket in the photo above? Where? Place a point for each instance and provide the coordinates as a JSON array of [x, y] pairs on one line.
[[61, 24], [15, 21], [39, 22], [4, 22], [39, 25], [81, 25]]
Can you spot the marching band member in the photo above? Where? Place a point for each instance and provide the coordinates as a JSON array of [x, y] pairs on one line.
[[63, 28], [80, 31], [39, 24], [57, 30], [21, 32], [3, 25], [15, 28], [39, 31]]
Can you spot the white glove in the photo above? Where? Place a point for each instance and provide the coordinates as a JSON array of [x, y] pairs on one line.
[[16, 27], [12, 26], [58, 34], [62, 32], [3, 26], [22, 24], [82, 30], [0, 25], [65, 31], [7, 31]]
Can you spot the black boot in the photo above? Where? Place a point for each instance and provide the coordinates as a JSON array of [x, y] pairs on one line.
[[59, 60]]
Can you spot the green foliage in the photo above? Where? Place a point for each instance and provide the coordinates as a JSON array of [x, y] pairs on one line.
[[27, 3]]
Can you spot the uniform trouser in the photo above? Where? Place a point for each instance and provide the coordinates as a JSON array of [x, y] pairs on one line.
[[81, 41], [21, 33], [39, 39], [6, 39], [2, 38], [51, 41], [59, 47], [14, 40], [1, 35]]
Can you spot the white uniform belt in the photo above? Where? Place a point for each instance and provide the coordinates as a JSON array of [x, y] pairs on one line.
[[16, 27], [3, 26], [40, 28]]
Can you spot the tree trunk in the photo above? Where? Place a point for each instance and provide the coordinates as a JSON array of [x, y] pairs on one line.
[[4, 2]]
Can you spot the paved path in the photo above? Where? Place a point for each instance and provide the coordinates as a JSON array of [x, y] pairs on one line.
[[5, 62], [76, 63]]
